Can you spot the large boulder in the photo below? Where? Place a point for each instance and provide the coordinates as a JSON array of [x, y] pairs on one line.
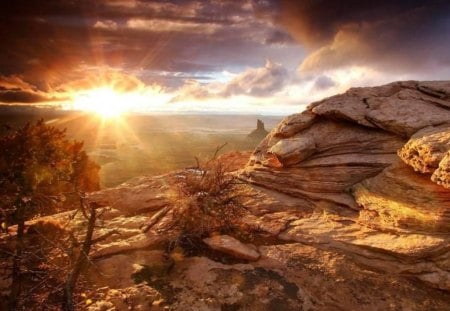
[[136, 196]]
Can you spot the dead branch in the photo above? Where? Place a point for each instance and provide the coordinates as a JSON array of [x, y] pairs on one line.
[[155, 218]]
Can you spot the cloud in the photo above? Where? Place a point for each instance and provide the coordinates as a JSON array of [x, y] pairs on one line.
[[53, 48], [258, 82], [106, 24], [48, 41], [193, 90], [94, 78], [27, 97], [324, 82], [15, 82], [255, 82], [14, 90], [279, 37], [394, 36], [155, 25]]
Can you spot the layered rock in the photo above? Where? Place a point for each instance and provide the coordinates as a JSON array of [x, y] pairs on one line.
[[323, 153], [381, 152], [136, 196], [400, 198]]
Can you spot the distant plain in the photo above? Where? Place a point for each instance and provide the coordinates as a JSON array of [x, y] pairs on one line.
[[136, 145]]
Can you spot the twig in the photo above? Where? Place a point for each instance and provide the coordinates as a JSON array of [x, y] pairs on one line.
[[155, 218], [105, 236]]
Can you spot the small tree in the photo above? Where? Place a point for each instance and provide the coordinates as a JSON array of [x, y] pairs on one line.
[[38, 165]]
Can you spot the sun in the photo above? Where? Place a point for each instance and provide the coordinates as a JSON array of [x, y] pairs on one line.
[[105, 102]]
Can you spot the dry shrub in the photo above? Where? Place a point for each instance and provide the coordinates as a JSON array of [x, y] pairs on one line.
[[44, 266], [49, 228], [208, 199], [47, 239]]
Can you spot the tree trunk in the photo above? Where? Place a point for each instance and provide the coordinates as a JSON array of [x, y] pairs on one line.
[[79, 263], [16, 285]]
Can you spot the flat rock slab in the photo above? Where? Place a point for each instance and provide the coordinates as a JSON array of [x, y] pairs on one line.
[[330, 280], [121, 270], [202, 284], [415, 254], [137, 196]]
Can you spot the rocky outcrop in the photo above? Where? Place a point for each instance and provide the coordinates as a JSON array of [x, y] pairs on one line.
[[426, 148], [260, 131], [376, 162], [136, 196], [342, 144]]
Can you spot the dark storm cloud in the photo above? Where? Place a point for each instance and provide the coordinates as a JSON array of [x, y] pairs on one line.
[[14, 90], [54, 45], [402, 35], [279, 37], [47, 41], [19, 96]]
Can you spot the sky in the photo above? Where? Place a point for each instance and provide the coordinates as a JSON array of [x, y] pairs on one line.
[[247, 56]]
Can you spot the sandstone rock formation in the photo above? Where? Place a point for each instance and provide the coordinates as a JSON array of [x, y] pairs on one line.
[[382, 152], [340, 145], [260, 131]]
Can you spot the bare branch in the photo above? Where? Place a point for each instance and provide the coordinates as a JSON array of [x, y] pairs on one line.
[[155, 218], [105, 236]]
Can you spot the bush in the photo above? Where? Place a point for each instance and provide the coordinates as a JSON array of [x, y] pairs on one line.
[[208, 199]]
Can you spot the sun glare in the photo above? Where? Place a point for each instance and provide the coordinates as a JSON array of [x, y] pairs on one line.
[[106, 102]]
